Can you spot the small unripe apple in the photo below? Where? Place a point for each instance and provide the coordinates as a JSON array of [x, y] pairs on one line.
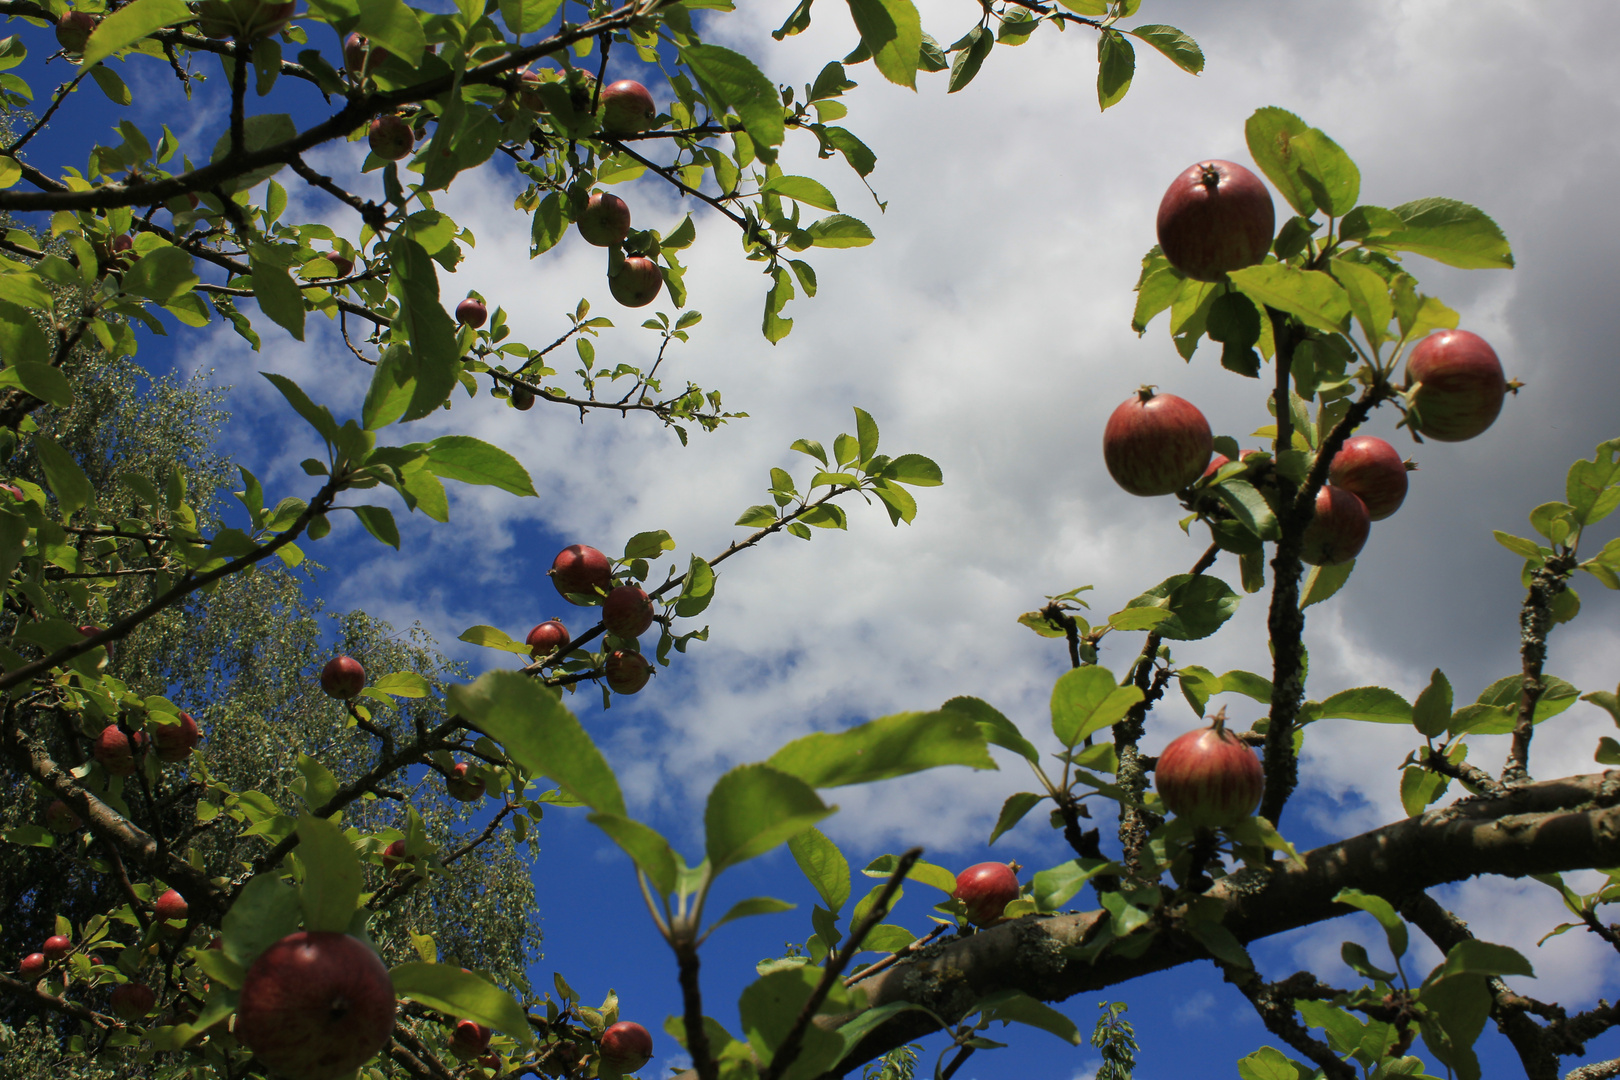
[[73, 31], [605, 221], [316, 1005], [626, 1046], [393, 855], [1156, 444], [522, 398], [626, 672], [57, 946], [176, 741], [547, 638], [118, 751], [471, 312], [60, 818], [1458, 383], [627, 108], [985, 890], [355, 54], [1338, 530], [581, 571], [170, 907], [627, 611], [1369, 468], [462, 789], [391, 137], [33, 966], [343, 677], [1215, 218], [637, 282], [1209, 777], [469, 1040], [131, 1000]]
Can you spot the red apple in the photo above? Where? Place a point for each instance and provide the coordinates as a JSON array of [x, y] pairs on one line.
[[1156, 444], [1457, 386], [626, 1046], [637, 282], [14, 491], [316, 1006], [391, 137], [627, 612], [89, 631], [1338, 530], [1215, 218], [462, 789], [170, 907], [490, 1061], [393, 855], [73, 30], [1209, 777], [33, 966], [527, 97], [118, 751], [627, 108], [343, 677], [522, 398], [986, 889], [606, 220], [470, 1040], [581, 571], [1369, 468], [60, 818], [626, 672], [57, 946], [356, 50], [131, 1000], [1214, 466], [547, 638], [471, 312], [342, 266], [176, 741]]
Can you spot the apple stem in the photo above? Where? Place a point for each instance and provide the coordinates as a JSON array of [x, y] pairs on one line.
[[1218, 721]]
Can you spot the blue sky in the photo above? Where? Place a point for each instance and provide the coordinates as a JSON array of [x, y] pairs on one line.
[[988, 327]]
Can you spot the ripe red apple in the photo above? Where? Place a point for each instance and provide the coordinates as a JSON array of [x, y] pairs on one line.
[[393, 855], [73, 30], [548, 637], [581, 571], [626, 672], [471, 312], [627, 108], [316, 1006], [637, 282], [1339, 529], [176, 741], [627, 611], [117, 751], [626, 1046], [470, 1040], [60, 818], [391, 137], [606, 220], [1457, 384], [343, 677], [131, 1000], [522, 398], [1156, 444], [462, 789], [342, 266], [986, 889], [57, 946], [33, 966], [1369, 468], [170, 907], [1215, 218], [1209, 777]]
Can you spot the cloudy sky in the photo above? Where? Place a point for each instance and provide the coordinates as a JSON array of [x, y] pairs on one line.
[[988, 327]]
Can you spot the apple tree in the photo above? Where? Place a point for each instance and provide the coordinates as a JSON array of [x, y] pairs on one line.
[[283, 902]]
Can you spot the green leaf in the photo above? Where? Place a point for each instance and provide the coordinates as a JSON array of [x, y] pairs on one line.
[[25, 290], [265, 911], [752, 809], [1475, 957], [801, 189], [996, 728], [824, 865], [1199, 605], [1525, 549], [67, 481], [1086, 700], [540, 734], [491, 638], [319, 783], [392, 25], [463, 995], [646, 847], [1156, 292], [1270, 133], [1310, 295], [1450, 232], [925, 873], [1420, 788], [757, 905], [22, 343], [1431, 712], [839, 231], [161, 275], [319, 417], [278, 295], [527, 16], [1383, 911], [405, 684], [392, 387], [1458, 1008], [1369, 297], [1497, 709], [891, 30], [1592, 488], [1324, 168], [1014, 1005], [1054, 887], [970, 58], [768, 1009], [332, 875], [434, 355], [1180, 49], [41, 380], [740, 84], [1221, 943], [1012, 812], [885, 748], [1374, 704], [379, 522], [1116, 66], [472, 461], [1324, 581], [129, 24], [1356, 958], [914, 469], [259, 131], [1269, 1063]]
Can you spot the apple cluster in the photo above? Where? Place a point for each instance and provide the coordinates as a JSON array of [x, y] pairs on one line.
[[584, 576], [119, 751]]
